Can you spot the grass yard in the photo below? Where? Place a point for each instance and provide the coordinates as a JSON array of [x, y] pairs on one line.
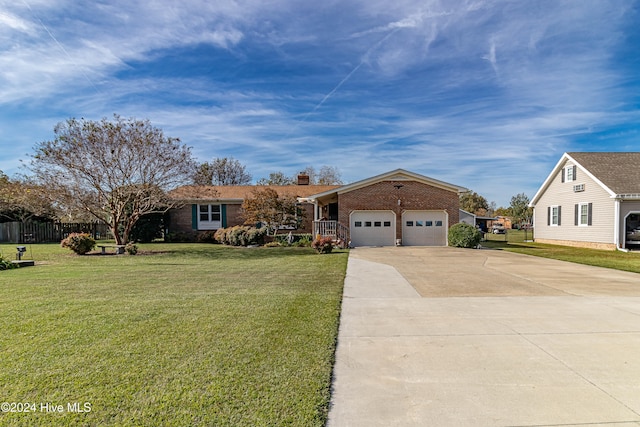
[[514, 241], [190, 335]]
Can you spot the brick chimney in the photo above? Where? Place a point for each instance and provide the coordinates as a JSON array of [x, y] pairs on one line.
[[303, 179]]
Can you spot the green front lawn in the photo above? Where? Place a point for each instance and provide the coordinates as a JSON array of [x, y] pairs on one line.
[[191, 334]]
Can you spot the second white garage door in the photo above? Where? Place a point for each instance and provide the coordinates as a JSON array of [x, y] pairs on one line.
[[424, 228], [373, 228]]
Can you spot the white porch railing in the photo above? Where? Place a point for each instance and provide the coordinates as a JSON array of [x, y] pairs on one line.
[[333, 229]]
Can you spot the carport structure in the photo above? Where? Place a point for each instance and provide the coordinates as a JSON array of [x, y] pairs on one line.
[[396, 207]]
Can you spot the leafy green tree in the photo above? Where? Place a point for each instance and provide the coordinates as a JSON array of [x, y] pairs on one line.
[[117, 171], [474, 203], [501, 211], [521, 213]]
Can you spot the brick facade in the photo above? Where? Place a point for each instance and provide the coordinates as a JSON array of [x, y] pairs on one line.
[[181, 219], [396, 191], [413, 195]]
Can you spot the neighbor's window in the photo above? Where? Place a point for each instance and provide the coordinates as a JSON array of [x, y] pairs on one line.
[[570, 173], [555, 215], [583, 213]]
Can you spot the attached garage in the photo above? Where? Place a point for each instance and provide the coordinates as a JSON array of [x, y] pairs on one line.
[[424, 228], [373, 228]]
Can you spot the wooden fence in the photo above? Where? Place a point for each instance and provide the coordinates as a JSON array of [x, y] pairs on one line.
[[44, 232]]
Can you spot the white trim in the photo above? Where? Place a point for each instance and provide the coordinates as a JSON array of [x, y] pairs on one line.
[[557, 224], [394, 175], [209, 224], [580, 223], [559, 166], [616, 225]]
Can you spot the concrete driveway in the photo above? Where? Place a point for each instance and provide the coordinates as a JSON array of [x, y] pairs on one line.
[[454, 337]]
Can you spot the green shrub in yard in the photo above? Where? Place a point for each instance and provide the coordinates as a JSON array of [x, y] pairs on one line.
[[131, 248], [463, 235], [80, 243], [6, 264], [241, 235]]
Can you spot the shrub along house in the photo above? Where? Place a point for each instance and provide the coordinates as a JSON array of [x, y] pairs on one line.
[[384, 210], [590, 200]]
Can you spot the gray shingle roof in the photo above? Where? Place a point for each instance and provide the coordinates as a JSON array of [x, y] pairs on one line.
[[618, 171]]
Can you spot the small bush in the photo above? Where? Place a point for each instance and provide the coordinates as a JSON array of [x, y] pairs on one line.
[[207, 237], [131, 248], [322, 245], [241, 235], [220, 235], [274, 244], [298, 240], [6, 264], [80, 243], [463, 235]]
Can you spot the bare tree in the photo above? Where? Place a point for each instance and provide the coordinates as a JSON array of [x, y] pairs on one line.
[[116, 170], [276, 178], [328, 175], [222, 171]]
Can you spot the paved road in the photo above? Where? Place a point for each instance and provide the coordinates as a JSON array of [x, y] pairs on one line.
[[453, 337]]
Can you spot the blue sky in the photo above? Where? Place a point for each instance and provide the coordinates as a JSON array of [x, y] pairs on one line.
[[481, 94]]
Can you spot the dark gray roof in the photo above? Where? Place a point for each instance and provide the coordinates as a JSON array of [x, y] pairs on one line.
[[618, 171]]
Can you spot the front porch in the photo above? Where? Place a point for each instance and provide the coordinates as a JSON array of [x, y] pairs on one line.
[[338, 232]]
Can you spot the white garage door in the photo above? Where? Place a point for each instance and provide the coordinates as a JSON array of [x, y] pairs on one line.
[[373, 228], [424, 228]]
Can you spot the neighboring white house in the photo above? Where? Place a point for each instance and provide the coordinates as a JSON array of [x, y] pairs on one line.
[[590, 200]]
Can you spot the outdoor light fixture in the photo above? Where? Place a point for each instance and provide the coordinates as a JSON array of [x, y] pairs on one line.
[[21, 250]]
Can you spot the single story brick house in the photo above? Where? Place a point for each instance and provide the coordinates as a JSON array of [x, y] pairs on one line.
[[397, 207], [591, 200], [212, 207]]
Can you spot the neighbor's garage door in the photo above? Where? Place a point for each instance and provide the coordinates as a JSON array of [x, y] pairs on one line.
[[373, 228], [424, 228]]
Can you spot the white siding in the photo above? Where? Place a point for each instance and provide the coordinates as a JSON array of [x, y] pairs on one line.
[[562, 194]]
